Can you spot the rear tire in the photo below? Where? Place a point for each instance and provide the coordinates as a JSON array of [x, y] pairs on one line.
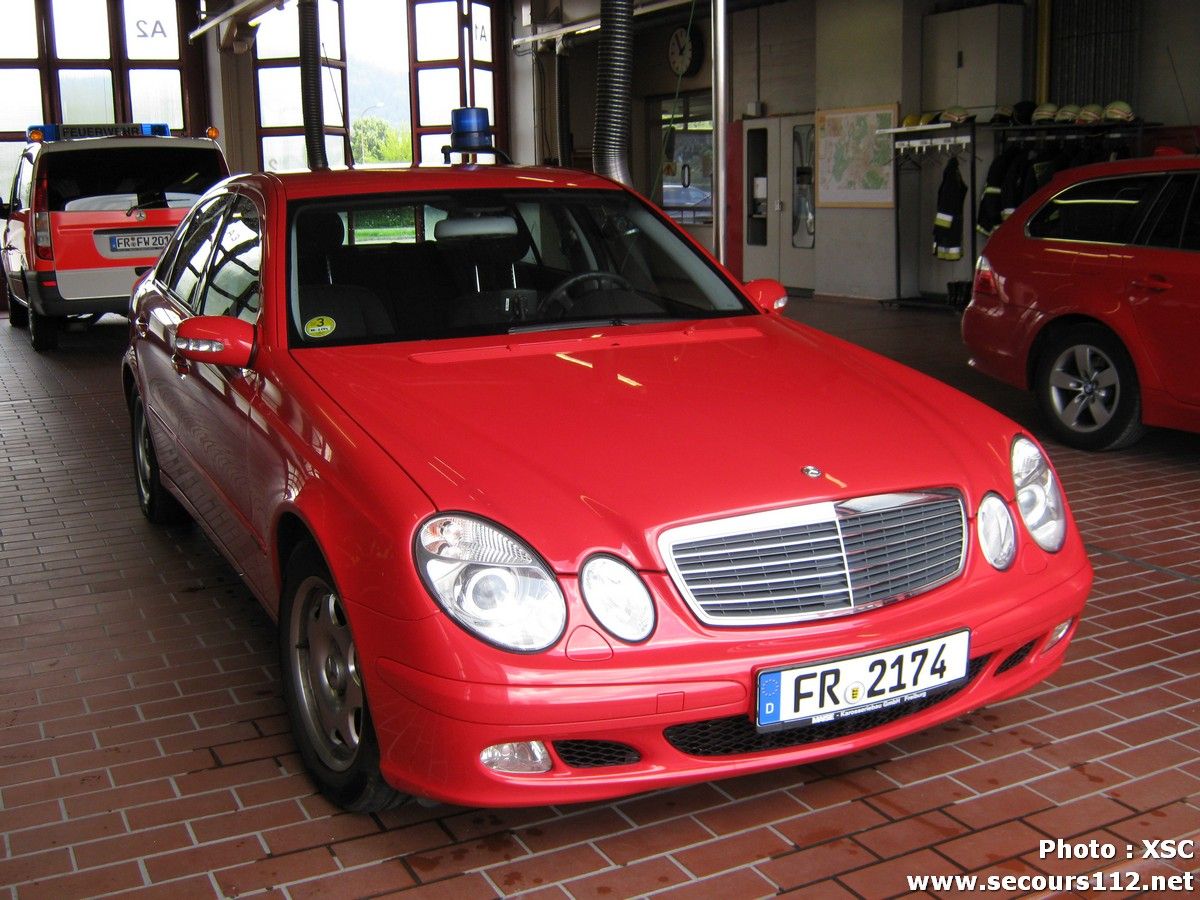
[[43, 331], [157, 503], [1087, 389], [323, 690]]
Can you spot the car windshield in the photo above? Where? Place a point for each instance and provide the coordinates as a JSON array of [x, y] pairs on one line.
[[467, 263], [117, 178]]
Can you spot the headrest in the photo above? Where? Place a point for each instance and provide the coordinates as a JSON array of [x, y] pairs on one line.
[[319, 230], [494, 240]]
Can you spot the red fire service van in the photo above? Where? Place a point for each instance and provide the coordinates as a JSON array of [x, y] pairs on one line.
[[89, 210]]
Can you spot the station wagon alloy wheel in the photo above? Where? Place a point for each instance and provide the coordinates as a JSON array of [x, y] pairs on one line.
[[325, 670], [1088, 390]]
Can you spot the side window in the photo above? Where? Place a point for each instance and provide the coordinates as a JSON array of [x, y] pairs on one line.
[[1165, 222], [1191, 225], [22, 183], [232, 287], [194, 245], [1105, 211]]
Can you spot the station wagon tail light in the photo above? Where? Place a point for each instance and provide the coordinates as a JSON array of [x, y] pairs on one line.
[[617, 598], [997, 534], [1038, 496], [985, 279], [41, 220], [490, 582]]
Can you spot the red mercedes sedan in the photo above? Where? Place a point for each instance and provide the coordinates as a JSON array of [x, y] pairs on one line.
[[1087, 295], [550, 508]]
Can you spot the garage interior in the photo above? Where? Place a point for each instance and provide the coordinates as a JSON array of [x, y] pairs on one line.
[[144, 748]]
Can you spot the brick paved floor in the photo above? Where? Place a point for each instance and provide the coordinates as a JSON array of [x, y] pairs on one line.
[[143, 747]]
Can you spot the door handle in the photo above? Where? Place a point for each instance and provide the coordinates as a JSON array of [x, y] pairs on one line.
[[140, 326], [1152, 283], [180, 364]]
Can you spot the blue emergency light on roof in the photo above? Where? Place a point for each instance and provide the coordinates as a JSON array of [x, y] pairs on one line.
[[102, 129], [471, 132]]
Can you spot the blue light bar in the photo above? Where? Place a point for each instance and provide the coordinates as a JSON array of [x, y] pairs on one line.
[[103, 129]]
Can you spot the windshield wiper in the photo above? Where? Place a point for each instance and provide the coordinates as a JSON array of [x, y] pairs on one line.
[[607, 321]]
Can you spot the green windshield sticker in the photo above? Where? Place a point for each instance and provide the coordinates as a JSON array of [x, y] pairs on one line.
[[319, 327]]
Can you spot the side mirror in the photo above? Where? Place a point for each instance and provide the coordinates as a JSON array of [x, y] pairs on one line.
[[767, 294], [219, 340]]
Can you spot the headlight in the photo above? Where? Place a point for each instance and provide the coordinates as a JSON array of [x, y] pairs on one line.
[[1038, 495], [491, 583], [997, 536], [617, 598]]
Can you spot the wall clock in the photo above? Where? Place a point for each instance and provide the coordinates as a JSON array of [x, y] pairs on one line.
[[685, 51]]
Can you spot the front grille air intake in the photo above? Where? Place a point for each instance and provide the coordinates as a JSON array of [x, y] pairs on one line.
[[823, 559]]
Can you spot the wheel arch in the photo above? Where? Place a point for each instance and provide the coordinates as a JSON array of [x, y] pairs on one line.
[[1062, 324]]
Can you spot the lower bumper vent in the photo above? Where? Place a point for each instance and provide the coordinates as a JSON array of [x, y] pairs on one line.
[[595, 754]]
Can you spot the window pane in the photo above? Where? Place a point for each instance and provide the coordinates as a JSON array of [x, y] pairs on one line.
[[279, 97], [431, 149], [157, 96], [331, 29], [437, 31], [194, 249], [377, 80], [481, 32], [20, 30], [278, 34], [87, 95], [287, 153], [81, 30], [1168, 215], [22, 93], [438, 93], [10, 152], [804, 215], [483, 93], [151, 30], [331, 95]]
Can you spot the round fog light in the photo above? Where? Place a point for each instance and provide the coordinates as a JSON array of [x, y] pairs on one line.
[[519, 757]]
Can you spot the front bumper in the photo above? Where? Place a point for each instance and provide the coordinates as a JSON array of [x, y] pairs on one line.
[[615, 730]]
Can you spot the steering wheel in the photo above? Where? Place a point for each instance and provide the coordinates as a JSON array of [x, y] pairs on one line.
[[561, 295]]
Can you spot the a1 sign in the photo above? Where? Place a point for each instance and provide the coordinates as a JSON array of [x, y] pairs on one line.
[[151, 29]]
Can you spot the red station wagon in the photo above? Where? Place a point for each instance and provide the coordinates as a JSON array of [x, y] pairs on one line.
[[550, 508], [1089, 295], [90, 209]]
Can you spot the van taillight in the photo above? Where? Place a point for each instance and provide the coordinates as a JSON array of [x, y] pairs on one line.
[[985, 279], [41, 220]]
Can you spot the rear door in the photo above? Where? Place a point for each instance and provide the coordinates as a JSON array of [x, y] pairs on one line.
[[1164, 288]]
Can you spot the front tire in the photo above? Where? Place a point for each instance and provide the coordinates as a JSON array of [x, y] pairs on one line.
[[1087, 390], [157, 503], [323, 690], [18, 314]]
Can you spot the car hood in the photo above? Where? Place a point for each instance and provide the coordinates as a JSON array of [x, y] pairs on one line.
[[599, 441]]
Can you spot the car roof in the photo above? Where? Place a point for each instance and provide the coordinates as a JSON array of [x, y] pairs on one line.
[[342, 182], [1166, 163], [121, 143]]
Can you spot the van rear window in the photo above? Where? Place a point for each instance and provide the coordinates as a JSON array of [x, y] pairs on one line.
[[117, 178]]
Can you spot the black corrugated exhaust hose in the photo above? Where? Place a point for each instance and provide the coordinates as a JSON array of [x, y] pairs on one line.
[[614, 79], [311, 102], [562, 90]]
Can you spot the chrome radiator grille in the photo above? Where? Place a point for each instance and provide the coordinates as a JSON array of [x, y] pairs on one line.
[[819, 560]]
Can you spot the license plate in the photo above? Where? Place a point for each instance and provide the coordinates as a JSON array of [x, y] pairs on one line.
[[835, 689], [150, 242]]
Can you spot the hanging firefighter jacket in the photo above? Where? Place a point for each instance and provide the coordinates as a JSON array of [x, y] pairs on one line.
[[948, 224], [991, 211]]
